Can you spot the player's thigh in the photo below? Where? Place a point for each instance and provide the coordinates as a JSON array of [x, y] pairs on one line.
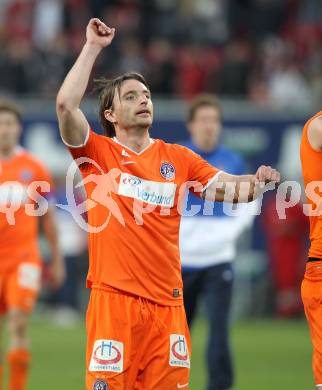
[[22, 288], [160, 375], [2, 322], [114, 333], [3, 307], [311, 292], [167, 357]]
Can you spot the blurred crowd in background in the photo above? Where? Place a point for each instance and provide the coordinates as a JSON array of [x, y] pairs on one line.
[[267, 51]]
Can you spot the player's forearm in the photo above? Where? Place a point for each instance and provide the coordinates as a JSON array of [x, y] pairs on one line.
[[76, 81], [51, 234], [234, 189], [242, 189], [247, 190]]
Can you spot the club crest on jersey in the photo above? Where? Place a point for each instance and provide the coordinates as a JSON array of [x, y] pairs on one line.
[[107, 356], [100, 385], [179, 354], [167, 171], [25, 175]]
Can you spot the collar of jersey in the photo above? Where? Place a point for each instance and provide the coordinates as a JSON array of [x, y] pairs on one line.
[[151, 142], [17, 151]]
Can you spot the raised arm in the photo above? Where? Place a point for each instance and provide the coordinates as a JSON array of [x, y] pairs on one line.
[[72, 122], [240, 189]]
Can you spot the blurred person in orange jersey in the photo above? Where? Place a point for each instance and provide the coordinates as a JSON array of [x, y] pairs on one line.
[[20, 261], [311, 158], [137, 333]]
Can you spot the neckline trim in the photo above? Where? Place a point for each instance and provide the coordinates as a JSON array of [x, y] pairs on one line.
[[17, 151], [151, 142]]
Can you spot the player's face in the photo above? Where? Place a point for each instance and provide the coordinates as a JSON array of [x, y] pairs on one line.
[[205, 127], [10, 130], [133, 107]]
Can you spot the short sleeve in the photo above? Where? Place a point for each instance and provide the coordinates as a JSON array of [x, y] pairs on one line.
[[88, 149], [200, 173], [89, 156], [199, 169]]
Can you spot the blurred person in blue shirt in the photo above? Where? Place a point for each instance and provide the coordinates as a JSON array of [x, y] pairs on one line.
[[208, 242]]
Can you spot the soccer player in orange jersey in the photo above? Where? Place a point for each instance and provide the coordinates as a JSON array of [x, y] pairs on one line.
[[20, 263], [311, 158], [136, 325]]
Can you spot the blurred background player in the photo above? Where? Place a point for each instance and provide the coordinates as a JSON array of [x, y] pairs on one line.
[[208, 242], [20, 260], [311, 157]]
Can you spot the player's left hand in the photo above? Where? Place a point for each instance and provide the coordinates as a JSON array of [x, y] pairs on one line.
[[57, 272], [266, 174]]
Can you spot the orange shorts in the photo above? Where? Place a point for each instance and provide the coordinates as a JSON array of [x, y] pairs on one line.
[[19, 287], [312, 300], [133, 343]]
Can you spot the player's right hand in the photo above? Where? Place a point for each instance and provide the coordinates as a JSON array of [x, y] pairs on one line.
[[98, 34], [56, 272]]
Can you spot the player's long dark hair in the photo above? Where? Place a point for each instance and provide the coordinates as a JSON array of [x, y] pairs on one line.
[[107, 90]]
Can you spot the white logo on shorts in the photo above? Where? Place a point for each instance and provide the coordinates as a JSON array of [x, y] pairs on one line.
[[179, 386], [107, 356], [179, 354], [29, 276]]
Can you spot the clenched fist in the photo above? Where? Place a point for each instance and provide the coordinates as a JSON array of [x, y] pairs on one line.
[[266, 174], [98, 34]]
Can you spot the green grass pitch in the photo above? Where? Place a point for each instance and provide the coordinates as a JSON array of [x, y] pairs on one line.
[[269, 355]]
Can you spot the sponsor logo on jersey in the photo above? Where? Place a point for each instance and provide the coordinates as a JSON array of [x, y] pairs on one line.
[[131, 180], [107, 356], [167, 171], [179, 354], [100, 385], [152, 192]]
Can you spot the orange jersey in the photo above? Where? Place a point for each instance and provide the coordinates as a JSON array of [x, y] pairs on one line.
[[312, 171], [18, 230], [137, 252]]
